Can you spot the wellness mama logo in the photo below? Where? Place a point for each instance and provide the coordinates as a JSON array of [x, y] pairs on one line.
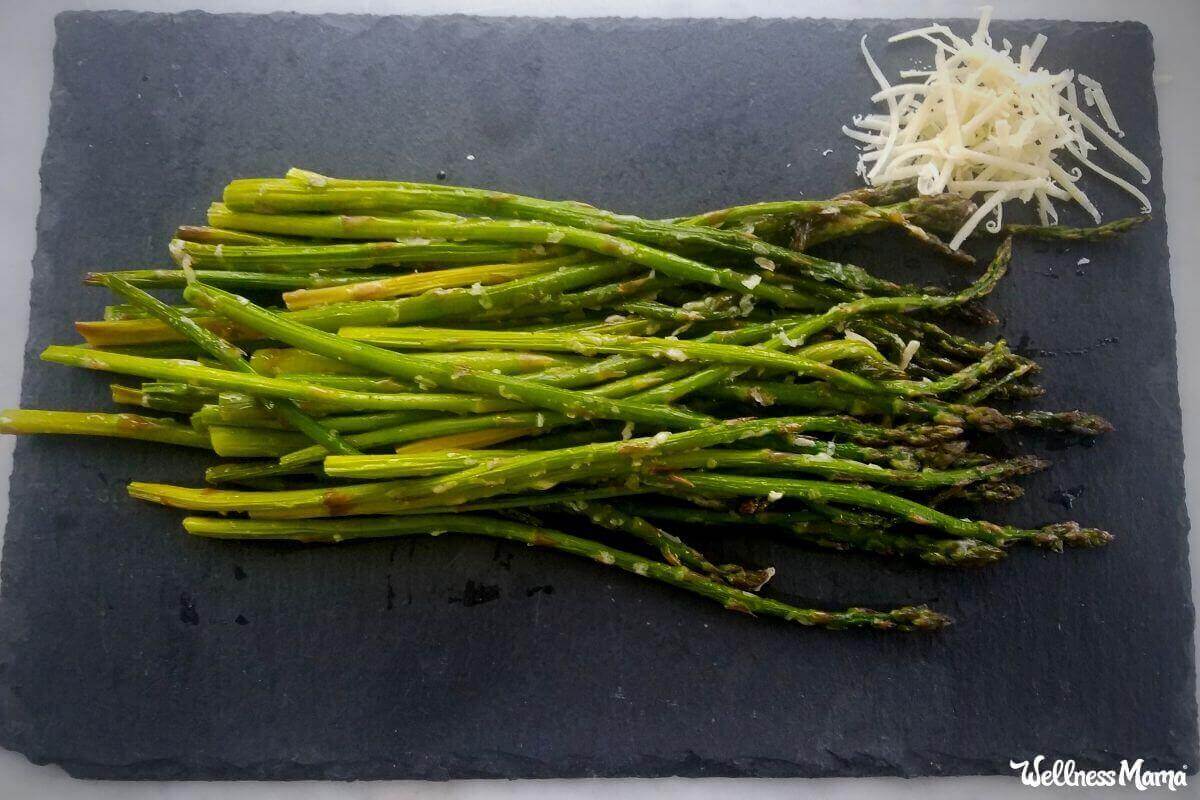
[[1040, 773]]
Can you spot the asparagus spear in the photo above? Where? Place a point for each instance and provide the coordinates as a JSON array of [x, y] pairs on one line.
[[275, 388], [230, 279], [817, 530], [1051, 536], [399, 466], [396, 286], [1099, 233], [904, 618], [674, 551], [307, 258], [123, 426]]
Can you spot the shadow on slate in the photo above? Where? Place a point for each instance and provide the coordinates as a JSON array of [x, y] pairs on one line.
[[130, 651]]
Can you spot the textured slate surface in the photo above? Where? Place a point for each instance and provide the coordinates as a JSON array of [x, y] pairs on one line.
[[128, 651]]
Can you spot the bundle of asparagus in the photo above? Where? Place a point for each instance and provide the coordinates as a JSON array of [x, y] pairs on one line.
[[457, 360]]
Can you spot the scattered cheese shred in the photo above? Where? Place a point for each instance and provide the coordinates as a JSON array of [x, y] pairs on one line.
[[984, 123]]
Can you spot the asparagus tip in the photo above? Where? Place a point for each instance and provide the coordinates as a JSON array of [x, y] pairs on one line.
[[1072, 535], [913, 618], [1079, 423], [1086, 424]]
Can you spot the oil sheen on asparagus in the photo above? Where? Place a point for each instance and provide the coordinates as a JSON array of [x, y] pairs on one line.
[[379, 358]]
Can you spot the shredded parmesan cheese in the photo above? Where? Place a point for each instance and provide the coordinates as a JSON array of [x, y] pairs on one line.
[[1092, 88], [910, 350], [983, 123], [858, 337]]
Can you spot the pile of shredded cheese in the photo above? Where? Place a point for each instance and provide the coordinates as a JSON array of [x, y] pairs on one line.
[[983, 123]]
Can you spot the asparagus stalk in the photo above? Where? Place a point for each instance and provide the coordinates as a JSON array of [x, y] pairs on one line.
[[121, 426], [904, 618], [401, 466], [673, 550], [1108, 230], [399, 285], [234, 279], [209, 235], [276, 388], [1051, 536], [815, 529], [307, 258]]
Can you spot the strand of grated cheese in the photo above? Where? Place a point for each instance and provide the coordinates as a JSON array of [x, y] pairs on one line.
[[980, 122]]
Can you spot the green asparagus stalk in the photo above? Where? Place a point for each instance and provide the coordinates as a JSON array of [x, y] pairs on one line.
[[673, 550], [1108, 230], [815, 529], [121, 426], [399, 466], [905, 618], [396, 286], [209, 235], [307, 258], [1051, 536], [232, 280]]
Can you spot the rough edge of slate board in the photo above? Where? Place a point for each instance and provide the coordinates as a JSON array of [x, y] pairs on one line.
[[19, 733]]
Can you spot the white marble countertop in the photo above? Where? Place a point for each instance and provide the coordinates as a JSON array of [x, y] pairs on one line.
[[26, 41]]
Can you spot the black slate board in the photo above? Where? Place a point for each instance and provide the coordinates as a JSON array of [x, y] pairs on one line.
[[128, 651]]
